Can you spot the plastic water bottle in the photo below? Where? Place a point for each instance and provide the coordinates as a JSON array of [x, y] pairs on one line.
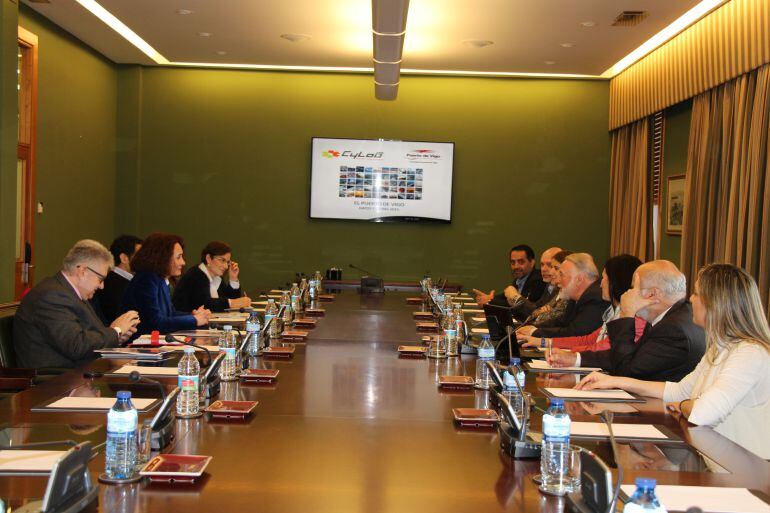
[[511, 391], [288, 311], [295, 298], [271, 312], [303, 295], [312, 290], [122, 424], [227, 369], [644, 500], [319, 282], [486, 353], [188, 370], [252, 330], [555, 459]]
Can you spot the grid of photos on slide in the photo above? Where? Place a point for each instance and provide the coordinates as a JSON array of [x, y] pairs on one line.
[[382, 183]]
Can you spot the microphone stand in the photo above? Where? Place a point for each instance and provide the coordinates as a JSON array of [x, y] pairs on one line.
[[607, 416], [518, 447], [171, 339], [163, 423]]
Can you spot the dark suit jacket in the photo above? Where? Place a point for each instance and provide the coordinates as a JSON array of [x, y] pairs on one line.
[[525, 308], [107, 301], [581, 318], [148, 294], [193, 290], [53, 327], [532, 289], [667, 351]]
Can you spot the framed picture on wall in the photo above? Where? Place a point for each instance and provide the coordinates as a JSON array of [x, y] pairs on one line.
[[675, 205]]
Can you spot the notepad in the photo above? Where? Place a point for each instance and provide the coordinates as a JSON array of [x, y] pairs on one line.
[[480, 331], [710, 499], [619, 430], [479, 319], [147, 371], [543, 365], [593, 395], [472, 310], [29, 461], [96, 403]]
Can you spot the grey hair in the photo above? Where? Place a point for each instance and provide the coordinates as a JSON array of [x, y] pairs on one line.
[[86, 251], [585, 264], [666, 277]]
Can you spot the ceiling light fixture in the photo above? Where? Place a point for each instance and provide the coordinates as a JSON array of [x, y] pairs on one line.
[[550, 63], [588, 24], [478, 43], [204, 34], [567, 45], [296, 38], [388, 30], [680, 24], [183, 12], [221, 52], [119, 27]]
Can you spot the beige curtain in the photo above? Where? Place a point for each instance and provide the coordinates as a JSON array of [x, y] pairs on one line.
[[629, 197], [727, 199]]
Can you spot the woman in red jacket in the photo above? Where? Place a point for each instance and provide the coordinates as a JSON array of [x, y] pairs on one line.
[[616, 279]]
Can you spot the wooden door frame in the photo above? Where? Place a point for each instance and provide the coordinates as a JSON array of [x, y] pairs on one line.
[[26, 150]]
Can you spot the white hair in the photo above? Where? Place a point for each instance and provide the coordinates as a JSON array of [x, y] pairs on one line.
[[585, 265], [664, 276], [86, 251]]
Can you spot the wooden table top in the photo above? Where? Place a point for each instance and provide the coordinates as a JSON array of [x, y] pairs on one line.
[[350, 426]]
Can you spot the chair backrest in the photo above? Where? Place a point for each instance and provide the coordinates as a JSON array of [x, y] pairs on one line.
[[7, 353]]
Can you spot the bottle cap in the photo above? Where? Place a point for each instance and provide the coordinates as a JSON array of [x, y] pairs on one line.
[[227, 327], [124, 394], [557, 401], [645, 482], [189, 350], [515, 361]]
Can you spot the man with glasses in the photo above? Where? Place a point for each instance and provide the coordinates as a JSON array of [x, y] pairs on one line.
[[55, 325]]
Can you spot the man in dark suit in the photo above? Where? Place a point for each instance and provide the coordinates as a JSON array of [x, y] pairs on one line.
[[106, 302], [55, 326], [521, 306], [580, 280], [526, 278], [671, 345]]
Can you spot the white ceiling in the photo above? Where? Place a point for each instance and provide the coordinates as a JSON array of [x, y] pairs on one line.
[[526, 33]]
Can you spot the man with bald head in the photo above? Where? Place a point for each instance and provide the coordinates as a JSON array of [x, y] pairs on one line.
[[671, 345], [521, 306]]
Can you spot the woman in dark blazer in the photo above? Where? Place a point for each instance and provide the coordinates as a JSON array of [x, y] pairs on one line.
[[160, 260], [203, 285]]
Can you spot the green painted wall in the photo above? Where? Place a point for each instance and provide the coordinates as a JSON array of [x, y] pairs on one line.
[[8, 141], [76, 137], [225, 155], [675, 163]]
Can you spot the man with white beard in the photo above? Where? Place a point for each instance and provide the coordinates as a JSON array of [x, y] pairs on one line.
[[671, 345]]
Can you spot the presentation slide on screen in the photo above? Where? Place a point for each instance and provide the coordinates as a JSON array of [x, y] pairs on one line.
[[381, 180]]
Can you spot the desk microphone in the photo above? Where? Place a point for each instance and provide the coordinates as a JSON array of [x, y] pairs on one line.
[[362, 270], [171, 338], [136, 378], [606, 416]]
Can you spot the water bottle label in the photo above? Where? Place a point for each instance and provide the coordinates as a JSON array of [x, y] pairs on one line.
[[268, 317], [556, 429], [252, 327], [229, 352], [119, 423], [188, 383], [486, 352]]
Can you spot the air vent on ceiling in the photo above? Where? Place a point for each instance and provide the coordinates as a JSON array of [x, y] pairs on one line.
[[629, 18]]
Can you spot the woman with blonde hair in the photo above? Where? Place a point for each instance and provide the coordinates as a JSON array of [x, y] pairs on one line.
[[729, 390]]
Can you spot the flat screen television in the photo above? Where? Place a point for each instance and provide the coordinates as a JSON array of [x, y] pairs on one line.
[[381, 181]]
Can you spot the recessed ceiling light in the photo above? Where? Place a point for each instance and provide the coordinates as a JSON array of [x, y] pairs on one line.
[[588, 24], [296, 38], [221, 52], [567, 45], [550, 63], [478, 43], [183, 12], [204, 34]]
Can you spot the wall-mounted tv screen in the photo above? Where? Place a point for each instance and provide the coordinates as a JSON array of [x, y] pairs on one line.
[[378, 180]]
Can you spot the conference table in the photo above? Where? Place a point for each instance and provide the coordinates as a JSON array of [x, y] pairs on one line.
[[351, 426]]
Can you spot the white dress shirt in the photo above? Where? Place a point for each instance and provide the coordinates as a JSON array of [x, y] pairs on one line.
[[732, 395], [215, 281], [122, 272]]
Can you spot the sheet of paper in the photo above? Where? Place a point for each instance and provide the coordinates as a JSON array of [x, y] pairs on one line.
[[709, 498], [479, 319], [279, 291], [100, 403], [472, 310], [480, 331], [147, 371], [596, 395], [542, 364], [198, 333], [28, 461], [258, 303], [619, 430], [226, 318]]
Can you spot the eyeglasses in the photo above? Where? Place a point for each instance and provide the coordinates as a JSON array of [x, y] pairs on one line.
[[223, 260], [100, 275]]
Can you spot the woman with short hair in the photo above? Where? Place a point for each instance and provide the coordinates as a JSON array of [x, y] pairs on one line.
[[203, 285], [729, 390]]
